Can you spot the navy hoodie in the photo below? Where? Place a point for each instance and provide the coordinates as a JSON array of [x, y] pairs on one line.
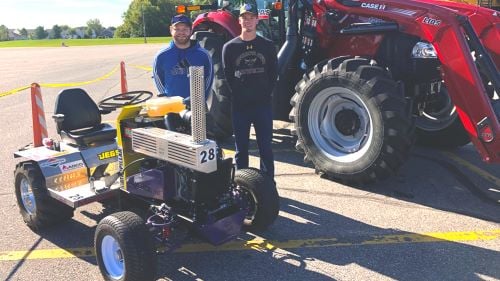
[[251, 71]]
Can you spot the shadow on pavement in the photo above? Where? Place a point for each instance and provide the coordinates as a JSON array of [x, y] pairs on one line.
[[19, 264], [419, 257], [424, 180], [427, 179], [331, 244]]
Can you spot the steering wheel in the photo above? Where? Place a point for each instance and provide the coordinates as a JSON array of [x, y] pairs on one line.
[[121, 100]]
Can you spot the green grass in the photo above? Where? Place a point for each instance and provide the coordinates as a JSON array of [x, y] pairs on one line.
[[80, 42]]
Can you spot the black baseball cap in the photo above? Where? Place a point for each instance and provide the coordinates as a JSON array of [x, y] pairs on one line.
[[248, 8], [180, 19]]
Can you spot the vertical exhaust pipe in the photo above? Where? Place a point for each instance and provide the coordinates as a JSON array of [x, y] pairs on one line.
[[198, 117]]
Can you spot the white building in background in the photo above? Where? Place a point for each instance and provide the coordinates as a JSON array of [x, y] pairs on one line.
[[79, 32], [108, 33], [66, 34], [15, 34]]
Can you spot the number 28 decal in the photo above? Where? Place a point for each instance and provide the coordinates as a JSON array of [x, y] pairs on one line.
[[207, 155]]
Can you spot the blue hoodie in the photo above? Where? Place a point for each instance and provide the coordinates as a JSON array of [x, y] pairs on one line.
[[171, 69]]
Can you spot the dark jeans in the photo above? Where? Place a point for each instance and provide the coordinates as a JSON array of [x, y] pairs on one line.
[[262, 119]]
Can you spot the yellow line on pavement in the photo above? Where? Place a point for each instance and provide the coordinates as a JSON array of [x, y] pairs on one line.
[[74, 84], [46, 254], [489, 177], [14, 91], [261, 245], [230, 152], [61, 85], [147, 68]]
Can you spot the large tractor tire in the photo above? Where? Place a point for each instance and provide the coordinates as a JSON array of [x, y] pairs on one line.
[[438, 125], [352, 120], [37, 208], [124, 248], [261, 196], [219, 124]]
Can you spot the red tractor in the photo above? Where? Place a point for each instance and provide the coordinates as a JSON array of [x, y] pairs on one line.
[[362, 80], [492, 4]]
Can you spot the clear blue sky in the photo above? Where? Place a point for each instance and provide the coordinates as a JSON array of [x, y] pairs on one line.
[[32, 13]]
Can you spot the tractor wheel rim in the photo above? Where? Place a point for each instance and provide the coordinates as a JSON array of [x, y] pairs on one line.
[[340, 124], [112, 257], [27, 196], [438, 118]]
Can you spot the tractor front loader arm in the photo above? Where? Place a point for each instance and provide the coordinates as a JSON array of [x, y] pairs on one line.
[[466, 40], [464, 59]]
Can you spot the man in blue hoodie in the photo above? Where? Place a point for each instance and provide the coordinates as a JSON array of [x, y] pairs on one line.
[[171, 64]]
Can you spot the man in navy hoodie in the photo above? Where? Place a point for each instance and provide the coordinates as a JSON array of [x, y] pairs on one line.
[[250, 67], [171, 65]]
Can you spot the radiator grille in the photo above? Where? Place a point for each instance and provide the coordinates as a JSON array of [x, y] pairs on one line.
[[174, 147], [146, 142], [182, 153]]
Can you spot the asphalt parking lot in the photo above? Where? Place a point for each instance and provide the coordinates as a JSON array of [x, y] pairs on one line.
[[437, 219]]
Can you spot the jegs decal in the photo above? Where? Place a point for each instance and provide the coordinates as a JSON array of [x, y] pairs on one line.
[[108, 154]]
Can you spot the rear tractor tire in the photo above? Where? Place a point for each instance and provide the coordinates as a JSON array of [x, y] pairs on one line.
[[219, 125], [352, 120], [37, 208]]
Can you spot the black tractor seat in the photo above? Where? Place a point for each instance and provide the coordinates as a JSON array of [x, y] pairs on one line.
[[78, 119]]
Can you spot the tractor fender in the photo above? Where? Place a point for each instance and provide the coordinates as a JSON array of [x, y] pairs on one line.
[[223, 18], [68, 168], [60, 169]]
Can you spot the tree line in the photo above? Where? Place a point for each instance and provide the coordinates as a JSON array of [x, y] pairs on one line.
[[149, 16], [93, 28]]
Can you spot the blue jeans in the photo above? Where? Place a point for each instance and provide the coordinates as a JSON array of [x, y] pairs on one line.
[[262, 119]]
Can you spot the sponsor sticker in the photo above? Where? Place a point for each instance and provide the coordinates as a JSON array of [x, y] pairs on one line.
[[373, 6], [68, 177], [431, 21], [53, 162], [127, 132], [66, 186], [264, 13], [108, 154], [71, 166]]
